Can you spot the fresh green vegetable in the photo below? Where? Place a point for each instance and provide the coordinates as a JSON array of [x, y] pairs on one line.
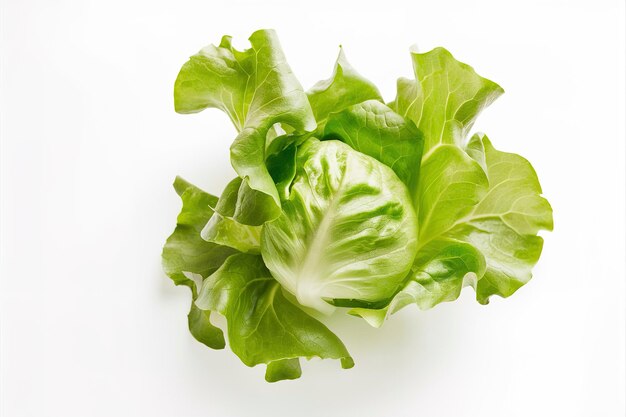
[[345, 203], [263, 326], [347, 232], [257, 90]]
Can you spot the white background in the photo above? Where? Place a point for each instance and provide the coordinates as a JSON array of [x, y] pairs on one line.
[[90, 326]]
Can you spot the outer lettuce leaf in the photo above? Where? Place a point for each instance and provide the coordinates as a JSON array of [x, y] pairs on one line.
[[184, 250], [445, 98], [478, 209], [257, 90], [443, 101], [514, 194], [451, 184], [344, 88], [186, 256], [493, 247], [503, 226], [374, 129], [263, 326], [347, 233], [202, 329], [441, 269], [223, 229], [241, 211]]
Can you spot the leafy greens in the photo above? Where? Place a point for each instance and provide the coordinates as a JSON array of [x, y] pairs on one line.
[[344, 202]]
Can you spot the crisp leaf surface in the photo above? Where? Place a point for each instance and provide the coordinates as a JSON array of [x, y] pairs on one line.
[[347, 232], [478, 209], [374, 129], [451, 184], [186, 255], [263, 326], [503, 226], [224, 229], [257, 90], [493, 247], [445, 98], [344, 88], [201, 328], [185, 250], [440, 271]]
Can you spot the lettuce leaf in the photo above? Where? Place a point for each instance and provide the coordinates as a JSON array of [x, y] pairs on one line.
[[257, 90], [344, 88], [479, 209], [445, 98], [504, 225], [263, 326], [223, 229], [187, 258], [493, 247], [374, 129]]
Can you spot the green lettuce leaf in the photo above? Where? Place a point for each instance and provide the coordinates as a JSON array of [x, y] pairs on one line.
[[445, 98], [344, 88], [223, 229], [440, 271], [347, 234], [443, 101], [257, 90], [493, 247], [503, 226], [478, 209], [187, 258], [451, 184], [246, 207], [263, 326], [499, 238], [201, 328], [374, 129]]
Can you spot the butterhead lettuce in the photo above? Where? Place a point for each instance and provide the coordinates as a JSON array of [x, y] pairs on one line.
[[344, 203], [347, 216]]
